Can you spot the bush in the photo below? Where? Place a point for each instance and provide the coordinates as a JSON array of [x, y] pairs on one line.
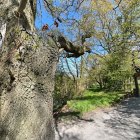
[[64, 89]]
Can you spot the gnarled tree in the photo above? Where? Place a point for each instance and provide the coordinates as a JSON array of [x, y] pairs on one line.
[[27, 69]]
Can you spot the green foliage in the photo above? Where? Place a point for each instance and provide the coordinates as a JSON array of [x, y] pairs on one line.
[[117, 71], [114, 32], [64, 89], [92, 100]]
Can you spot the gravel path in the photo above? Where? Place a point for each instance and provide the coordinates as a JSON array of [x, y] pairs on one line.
[[118, 123]]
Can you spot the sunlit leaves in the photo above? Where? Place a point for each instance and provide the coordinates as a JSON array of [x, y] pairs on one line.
[[123, 4], [87, 23], [103, 6]]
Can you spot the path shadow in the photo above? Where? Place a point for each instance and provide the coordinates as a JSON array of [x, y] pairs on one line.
[[125, 119], [65, 114]]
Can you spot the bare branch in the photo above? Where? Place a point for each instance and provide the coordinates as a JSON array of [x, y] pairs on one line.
[[70, 70], [86, 35], [117, 5], [50, 7], [80, 3]]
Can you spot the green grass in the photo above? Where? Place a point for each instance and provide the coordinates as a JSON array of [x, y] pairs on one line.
[[92, 100]]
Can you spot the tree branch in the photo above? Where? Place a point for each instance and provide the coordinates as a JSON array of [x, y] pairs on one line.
[[86, 35], [22, 6], [73, 50], [117, 5], [50, 7]]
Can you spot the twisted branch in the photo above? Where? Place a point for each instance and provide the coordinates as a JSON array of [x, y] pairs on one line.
[[71, 49]]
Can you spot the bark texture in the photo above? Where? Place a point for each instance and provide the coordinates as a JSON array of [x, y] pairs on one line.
[[27, 69]]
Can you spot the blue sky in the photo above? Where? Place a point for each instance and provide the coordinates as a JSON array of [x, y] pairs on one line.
[[42, 16]]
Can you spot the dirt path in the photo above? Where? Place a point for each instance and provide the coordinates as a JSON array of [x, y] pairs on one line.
[[118, 123]]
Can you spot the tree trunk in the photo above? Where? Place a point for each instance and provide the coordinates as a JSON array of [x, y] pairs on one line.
[[136, 91], [27, 69]]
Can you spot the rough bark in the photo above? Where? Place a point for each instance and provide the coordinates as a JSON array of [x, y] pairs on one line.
[[27, 68]]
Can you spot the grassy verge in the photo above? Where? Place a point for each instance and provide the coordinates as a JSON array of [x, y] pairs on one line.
[[92, 100]]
